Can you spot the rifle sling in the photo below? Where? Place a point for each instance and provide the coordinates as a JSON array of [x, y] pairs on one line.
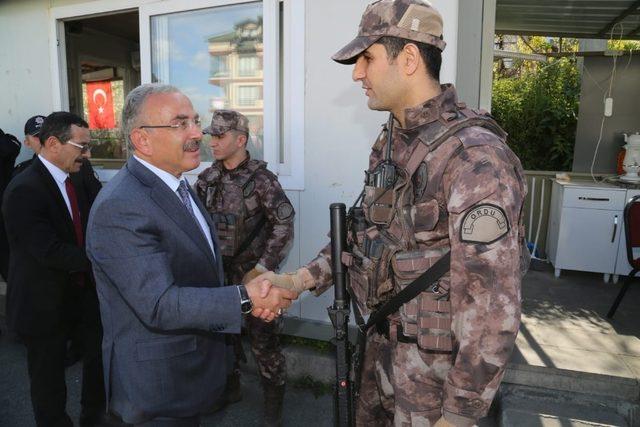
[[414, 289], [245, 244]]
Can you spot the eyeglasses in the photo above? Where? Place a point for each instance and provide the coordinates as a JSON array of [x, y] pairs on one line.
[[83, 148], [182, 125]]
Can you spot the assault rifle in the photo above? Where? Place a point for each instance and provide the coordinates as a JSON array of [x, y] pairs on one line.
[[339, 315]]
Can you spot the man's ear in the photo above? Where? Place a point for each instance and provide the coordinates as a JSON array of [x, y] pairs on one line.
[[141, 141], [410, 58], [242, 140], [52, 144]]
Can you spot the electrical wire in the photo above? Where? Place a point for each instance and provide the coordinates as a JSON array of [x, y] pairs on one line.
[[607, 95]]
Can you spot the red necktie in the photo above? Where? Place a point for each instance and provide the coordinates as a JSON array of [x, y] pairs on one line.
[[77, 224], [75, 212]]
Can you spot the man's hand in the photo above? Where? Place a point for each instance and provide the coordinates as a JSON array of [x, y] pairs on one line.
[[298, 281], [268, 302]]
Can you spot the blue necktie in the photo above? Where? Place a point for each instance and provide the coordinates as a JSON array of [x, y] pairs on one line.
[[183, 192]]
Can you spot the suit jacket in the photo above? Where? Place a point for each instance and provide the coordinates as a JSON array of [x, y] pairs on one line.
[[162, 303], [9, 150], [41, 289], [84, 180]]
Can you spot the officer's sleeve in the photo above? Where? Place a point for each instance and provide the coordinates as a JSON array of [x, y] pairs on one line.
[[320, 269], [280, 214], [484, 200]]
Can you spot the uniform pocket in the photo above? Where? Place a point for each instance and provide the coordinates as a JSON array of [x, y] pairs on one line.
[[360, 284], [425, 215], [379, 204], [427, 317]]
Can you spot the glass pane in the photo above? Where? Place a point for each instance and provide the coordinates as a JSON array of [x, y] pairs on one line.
[[214, 56]]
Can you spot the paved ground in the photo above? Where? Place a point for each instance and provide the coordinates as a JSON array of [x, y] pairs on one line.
[[564, 324], [301, 406], [564, 331]]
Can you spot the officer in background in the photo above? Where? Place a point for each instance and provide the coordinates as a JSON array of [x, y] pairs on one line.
[[31, 131], [254, 221], [9, 150], [448, 186], [86, 179]]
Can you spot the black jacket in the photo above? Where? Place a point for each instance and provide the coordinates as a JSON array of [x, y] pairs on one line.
[[9, 150], [41, 289], [85, 179]]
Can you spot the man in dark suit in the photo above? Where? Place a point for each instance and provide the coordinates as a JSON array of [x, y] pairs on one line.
[[9, 150], [159, 276], [50, 294], [85, 179]]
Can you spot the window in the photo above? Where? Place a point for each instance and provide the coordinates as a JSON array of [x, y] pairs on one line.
[[237, 54], [218, 66], [248, 96], [248, 65]]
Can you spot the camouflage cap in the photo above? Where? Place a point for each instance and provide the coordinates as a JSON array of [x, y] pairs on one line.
[[226, 120], [414, 20]]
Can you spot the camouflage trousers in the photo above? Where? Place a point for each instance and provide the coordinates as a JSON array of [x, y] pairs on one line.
[[264, 339], [401, 384]]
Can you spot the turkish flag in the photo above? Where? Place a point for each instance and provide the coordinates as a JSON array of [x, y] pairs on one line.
[[100, 103]]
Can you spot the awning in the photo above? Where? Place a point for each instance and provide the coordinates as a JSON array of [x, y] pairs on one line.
[[587, 19]]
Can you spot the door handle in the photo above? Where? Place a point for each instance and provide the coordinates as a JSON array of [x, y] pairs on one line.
[[594, 199], [615, 228]]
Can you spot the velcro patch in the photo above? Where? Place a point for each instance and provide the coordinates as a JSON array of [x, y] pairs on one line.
[[484, 223]]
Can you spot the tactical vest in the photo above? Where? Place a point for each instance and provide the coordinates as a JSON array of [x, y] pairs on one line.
[[385, 257], [240, 207]]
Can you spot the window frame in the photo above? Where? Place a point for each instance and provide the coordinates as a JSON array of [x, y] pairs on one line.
[[283, 114]]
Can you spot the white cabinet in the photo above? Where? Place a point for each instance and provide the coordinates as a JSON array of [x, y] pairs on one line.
[[586, 227]]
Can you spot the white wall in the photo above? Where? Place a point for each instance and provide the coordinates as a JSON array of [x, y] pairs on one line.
[[25, 82], [339, 128]]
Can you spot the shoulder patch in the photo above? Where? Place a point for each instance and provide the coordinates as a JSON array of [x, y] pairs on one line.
[[484, 223], [284, 211], [248, 188]]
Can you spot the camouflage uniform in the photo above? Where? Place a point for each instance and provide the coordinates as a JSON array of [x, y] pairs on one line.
[[252, 196], [467, 198]]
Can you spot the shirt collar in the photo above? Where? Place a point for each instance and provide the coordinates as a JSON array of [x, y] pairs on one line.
[[432, 109], [58, 174], [172, 182], [220, 164]]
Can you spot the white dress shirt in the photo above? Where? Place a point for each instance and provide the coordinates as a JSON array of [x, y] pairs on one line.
[[59, 177], [173, 183]]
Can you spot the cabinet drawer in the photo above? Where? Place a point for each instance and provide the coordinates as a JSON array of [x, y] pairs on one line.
[[592, 198]]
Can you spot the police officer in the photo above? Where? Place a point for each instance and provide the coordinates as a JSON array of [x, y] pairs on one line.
[[254, 221], [31, 131], [441, 182]]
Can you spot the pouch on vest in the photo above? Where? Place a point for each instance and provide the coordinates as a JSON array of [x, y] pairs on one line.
[[227, 230], [427, 318], [369, 279], [379, 204]]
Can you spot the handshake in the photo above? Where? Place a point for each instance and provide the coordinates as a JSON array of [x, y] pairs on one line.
[[271, 293]]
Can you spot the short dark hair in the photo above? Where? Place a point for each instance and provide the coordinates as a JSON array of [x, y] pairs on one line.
[[431, 55], [59, 124]]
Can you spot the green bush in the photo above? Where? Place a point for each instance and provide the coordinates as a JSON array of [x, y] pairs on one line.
[[538, 107]]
